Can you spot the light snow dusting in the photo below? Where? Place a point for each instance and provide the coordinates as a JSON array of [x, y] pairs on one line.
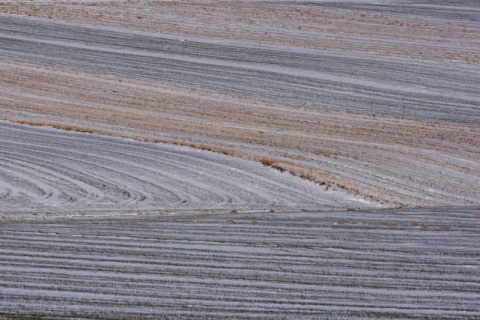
[[239, 159]]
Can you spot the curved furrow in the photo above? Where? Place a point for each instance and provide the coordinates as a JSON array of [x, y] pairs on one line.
[[168, 161], [73, 171], [62, 177], [85, 184], [115, 179], [84, 166], [132, 165], [162, 179], [27, 183]]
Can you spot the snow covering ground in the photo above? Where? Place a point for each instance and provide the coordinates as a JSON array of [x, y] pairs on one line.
[[389, 264], [314, 109], [47, 171], [361, 98]]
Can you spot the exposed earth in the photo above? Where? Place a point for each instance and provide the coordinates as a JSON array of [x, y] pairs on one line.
[[239, 159]]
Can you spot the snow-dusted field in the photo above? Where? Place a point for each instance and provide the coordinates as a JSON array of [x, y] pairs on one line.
[[317, 79], [362, 95], [390, 264], [312, 109], [45, 171]]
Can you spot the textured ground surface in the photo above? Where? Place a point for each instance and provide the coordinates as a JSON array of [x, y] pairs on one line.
[[308, 105], [363, 96], [390, 264], [45, 171]]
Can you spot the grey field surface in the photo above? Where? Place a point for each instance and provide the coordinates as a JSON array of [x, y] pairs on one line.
[[390, 264], [340, 83], [48, 171], [239, 159]]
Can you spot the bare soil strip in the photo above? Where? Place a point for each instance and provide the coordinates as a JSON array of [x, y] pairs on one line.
[[319, 80]]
